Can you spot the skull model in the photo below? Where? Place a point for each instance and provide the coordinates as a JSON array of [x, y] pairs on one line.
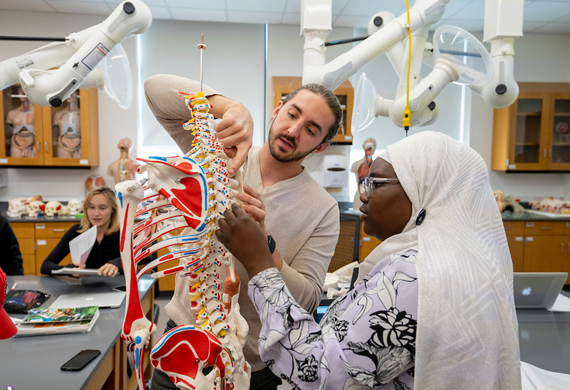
[[35, 208], [52, 208], [75, 206], [16, 207]]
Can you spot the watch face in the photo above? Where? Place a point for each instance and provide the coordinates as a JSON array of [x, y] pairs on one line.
[[271, 244]]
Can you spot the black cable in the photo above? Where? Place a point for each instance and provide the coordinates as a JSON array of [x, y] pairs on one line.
[[348, 40], [9, 38]]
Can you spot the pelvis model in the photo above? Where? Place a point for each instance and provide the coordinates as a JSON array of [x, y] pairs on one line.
[[181, 203]]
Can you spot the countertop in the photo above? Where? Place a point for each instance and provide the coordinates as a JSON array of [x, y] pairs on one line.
[[67, 218], [533, 217]]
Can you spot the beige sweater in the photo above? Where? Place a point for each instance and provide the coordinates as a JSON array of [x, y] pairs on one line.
[[301, 216]]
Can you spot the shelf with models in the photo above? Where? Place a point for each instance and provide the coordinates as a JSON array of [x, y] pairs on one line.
[[67, 136]]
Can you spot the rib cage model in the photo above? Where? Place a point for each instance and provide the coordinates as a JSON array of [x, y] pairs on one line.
[[183, 199]]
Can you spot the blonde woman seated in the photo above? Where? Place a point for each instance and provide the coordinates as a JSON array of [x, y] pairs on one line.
[[434, 308], [99, 209]]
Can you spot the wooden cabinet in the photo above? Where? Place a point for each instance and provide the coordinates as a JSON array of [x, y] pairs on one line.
[[367, 244], [67, 136], [539, 246], [37, 240], [533, 134], [515, 239], [282, 86]]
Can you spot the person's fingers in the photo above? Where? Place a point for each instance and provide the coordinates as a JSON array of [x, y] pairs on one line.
[[222, 127], [237, 210], [229, 216], [239, 159], [231, 152], [231, 140], [256, 213], [251, 197]]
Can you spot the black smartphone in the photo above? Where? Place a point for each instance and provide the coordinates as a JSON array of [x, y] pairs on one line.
[[79, 361], [120, 288]]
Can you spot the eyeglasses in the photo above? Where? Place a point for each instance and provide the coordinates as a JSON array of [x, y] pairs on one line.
[[370, 183]]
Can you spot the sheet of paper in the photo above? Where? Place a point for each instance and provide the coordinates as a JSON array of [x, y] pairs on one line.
[[74, 271], [562, 304], [81, 246]]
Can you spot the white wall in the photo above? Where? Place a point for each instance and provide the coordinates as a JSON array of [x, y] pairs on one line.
[[114, 122]]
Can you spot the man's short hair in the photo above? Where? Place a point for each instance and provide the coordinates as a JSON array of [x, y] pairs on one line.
[[332, 102]]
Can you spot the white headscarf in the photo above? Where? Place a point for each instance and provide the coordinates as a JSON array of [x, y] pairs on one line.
[[467, 336]]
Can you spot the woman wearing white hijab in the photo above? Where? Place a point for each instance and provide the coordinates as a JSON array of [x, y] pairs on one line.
[[435, 309]]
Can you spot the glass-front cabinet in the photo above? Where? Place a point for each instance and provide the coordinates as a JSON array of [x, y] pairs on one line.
[[533, 134], [559, 153], [66, 136]]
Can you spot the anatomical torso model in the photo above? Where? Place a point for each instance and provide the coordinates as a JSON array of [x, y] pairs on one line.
[[183, 200], [69, 123], [22, 121]]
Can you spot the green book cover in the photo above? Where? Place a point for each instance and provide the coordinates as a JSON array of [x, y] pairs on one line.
[[71, 314]]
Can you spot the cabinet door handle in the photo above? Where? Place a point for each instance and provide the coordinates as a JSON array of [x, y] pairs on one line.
[[569, 247], [38, 146], [546, 228], [561, 247], [549, 153], [58, 230], [544, 152], [507, 228], [46, 147]]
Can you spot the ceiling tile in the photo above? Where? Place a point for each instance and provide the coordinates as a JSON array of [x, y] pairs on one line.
[[338, 6], [456, 6], [161, 3], [254, 17], [290, 18], [370, 7], [557, 28], [194, 4], [541, 11], [257, 5], [160, 12], [26, 5], [80, 7], [531, 26], [205, 15], [473, 10], [293, 6], [351, 21]]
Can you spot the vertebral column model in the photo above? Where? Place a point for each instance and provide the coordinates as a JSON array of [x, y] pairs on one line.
[[182, 202]]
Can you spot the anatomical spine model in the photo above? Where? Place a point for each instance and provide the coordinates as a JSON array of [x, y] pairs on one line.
[[186, 195]]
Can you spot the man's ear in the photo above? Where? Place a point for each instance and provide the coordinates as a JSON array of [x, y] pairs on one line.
[[277, 109], [321, 148]]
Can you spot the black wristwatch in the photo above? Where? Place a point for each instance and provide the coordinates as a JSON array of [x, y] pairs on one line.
[[271, 244]]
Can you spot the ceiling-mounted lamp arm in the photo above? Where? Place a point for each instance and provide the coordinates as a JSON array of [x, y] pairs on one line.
[[77, 58], [315, 27]]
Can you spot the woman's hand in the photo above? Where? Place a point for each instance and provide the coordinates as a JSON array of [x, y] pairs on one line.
[[108, 269], [253, 205], [245, 239]]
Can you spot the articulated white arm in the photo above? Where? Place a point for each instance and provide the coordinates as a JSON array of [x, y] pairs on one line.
[[80, 55], [331, 75]]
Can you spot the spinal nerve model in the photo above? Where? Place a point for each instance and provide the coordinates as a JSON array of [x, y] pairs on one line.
[[182, 201]]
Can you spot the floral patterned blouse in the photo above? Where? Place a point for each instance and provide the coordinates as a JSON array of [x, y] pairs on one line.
[[366, 339]]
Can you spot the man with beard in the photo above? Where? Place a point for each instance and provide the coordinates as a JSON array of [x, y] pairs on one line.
[[301, 220]]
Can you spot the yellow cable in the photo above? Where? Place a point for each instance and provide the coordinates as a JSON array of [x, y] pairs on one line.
[[407, 119]]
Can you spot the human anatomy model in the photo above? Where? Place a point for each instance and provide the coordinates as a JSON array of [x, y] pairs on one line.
[[22, 121], [361, 169], [186, 195], [123, 168], [69, 122]]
